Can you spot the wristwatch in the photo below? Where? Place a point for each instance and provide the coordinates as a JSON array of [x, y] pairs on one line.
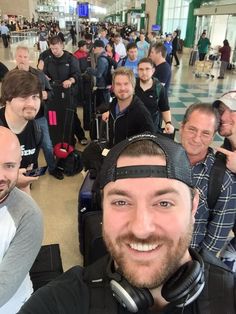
[[168, 122]]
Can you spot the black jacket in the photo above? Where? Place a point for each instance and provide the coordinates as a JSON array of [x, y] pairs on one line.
[[134, 120], [60, 69], [87, 291]]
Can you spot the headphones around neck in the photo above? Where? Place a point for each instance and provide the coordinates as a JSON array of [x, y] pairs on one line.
[[182, 288]]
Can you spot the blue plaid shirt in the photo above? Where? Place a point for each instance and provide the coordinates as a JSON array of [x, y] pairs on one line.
[[212, 226]]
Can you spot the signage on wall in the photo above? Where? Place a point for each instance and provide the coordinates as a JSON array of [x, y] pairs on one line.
[[83, 10], [156, 27]]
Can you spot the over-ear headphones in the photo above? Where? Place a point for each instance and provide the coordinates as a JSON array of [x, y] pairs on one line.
[[182, 288]]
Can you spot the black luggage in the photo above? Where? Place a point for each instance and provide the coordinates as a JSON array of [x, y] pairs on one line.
[[58, 118], [47, 266], [98, 128], [85, 205], [94, 246]]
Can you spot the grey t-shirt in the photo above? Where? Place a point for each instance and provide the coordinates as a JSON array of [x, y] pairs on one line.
[[21, 235]]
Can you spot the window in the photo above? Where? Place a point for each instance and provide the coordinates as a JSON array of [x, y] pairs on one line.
[[175, 16]]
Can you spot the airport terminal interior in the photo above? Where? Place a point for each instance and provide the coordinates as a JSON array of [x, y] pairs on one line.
[[58, 199]]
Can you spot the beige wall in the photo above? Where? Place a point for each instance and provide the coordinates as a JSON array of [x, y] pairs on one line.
[[18, 7], [151, 10]]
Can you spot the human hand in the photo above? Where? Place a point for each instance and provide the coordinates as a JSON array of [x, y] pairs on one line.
[[169, 128], [67, 84], [45, 95], [230, 158], [23, 182], [105, 116]]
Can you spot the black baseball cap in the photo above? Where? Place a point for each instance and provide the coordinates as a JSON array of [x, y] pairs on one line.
[[177, 163], [98, 43]]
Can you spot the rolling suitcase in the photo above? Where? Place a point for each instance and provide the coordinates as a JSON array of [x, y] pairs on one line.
[[87, 202], [193, 57], [94, 246], [98, 129], [56, 112]]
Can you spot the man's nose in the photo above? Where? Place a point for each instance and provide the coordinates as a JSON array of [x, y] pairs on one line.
[[142, 224]]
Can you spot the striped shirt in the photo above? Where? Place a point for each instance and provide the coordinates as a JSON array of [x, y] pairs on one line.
[[212, 226]]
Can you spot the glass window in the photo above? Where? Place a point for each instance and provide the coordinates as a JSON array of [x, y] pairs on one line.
[[175, 15]]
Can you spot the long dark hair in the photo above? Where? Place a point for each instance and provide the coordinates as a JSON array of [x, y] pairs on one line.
[[110, 43], [225, 42]]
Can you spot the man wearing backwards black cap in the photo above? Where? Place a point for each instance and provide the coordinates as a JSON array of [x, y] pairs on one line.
[[149, 205], [227, 108]]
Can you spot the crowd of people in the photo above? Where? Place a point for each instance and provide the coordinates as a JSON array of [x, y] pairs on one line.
[[165, 236]]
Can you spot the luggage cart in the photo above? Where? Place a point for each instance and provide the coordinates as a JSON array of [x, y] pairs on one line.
[[203, 68]]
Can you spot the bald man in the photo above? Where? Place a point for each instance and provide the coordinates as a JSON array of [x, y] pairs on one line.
[[21, 228]]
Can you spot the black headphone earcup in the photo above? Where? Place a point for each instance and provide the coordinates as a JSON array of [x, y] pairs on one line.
[[182, 282], [132, 298]]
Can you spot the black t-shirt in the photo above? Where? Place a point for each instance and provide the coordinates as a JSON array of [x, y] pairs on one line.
[[151, 100], [163, 74], [28, 141]]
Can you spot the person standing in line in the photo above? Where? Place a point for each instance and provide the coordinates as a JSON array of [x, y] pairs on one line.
[[203, 46], [149, 203], [213, 223], [43, 37], [131, 60], [127, 114], [22, 57], [21, 228], [168, 45], [21, 95], [162, 67], [225, 52], [143, 46], [175, 42], [73, 35], [119, 46], [59, 33], [4, 30], [61, 67], [153, 95]]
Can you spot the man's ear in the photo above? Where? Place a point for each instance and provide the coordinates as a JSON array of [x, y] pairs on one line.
[[195, 203], [181, 128]]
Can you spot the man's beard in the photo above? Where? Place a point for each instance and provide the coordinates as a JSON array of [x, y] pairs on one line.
[[226, 133], [125, 97], [6, 191], [145, 81], [169, 262], [31, 115]]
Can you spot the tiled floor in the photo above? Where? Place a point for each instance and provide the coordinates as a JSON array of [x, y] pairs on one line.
[[58, 199]]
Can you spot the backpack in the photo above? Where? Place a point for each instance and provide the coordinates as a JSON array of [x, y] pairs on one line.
[[216, 176], [122, 64], [112, 65], [72, 164]]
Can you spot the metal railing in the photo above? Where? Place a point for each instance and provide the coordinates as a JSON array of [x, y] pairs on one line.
[[24, 34]]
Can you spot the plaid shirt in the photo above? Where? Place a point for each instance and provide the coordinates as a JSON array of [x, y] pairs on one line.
[[212, 226]]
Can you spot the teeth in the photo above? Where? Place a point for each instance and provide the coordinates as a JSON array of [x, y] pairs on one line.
[[143, 247]]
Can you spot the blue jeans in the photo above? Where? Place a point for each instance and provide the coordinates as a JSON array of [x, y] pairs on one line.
[[46, 144]]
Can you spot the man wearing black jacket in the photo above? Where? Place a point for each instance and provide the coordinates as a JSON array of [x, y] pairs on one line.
[[61, 67], [149, 203], [127, 115]]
